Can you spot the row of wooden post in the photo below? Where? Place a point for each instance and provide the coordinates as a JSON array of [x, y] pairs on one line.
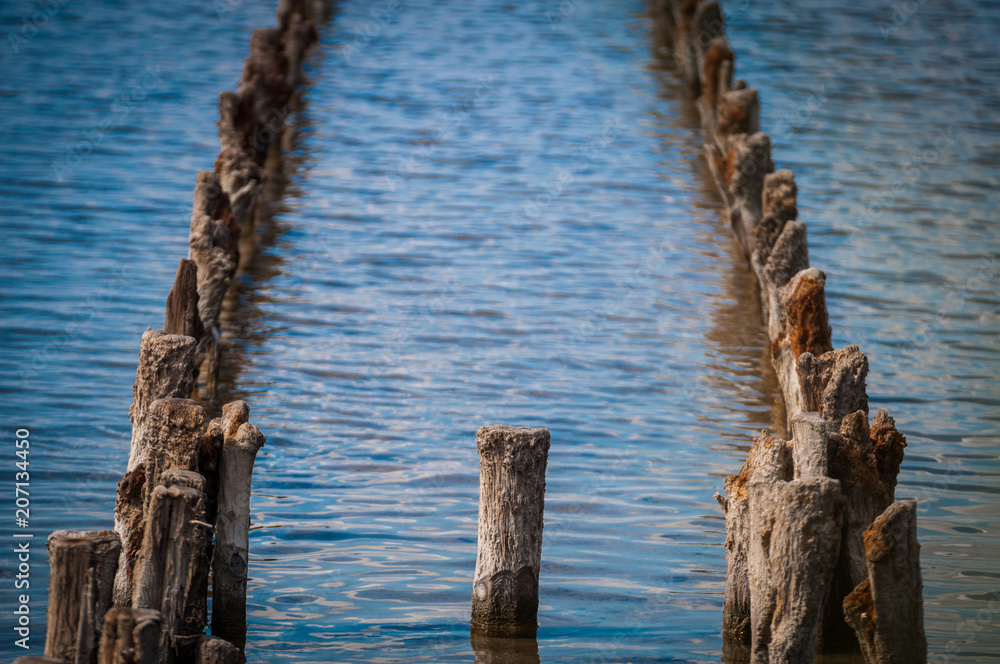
[[139, 594], [819, 554]]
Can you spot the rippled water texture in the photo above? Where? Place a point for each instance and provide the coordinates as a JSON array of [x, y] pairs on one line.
[[500, 214]]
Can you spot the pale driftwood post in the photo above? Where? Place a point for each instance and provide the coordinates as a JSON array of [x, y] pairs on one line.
[[72, 594], [886, 609], [232, 540], [163, 571], [511, 503], [103, 565], [131, 636], [170, 438], [213, 650]]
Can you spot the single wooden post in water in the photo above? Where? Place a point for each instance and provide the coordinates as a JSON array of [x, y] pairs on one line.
[[163, 571], [131, 636], [232, 540], [103, 565], [511, 504], [70, 614], [886, 609]]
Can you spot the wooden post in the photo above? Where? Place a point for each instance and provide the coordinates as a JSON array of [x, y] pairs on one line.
[[166, 369], [511, 504], [163, 572], [232, 540], [182, 303], [103, 565], [170, 438], [886, 609], [72, 594], [195, 613], [213, 650], [131, 636]]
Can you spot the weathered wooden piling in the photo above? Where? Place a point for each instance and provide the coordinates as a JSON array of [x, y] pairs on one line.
[[170, 438], [104, 557], [72, 599], [182, 315], [131, 636], [885, 609], [836, 475], [180, 476], [163, 570], [230, 561], [511, 504]]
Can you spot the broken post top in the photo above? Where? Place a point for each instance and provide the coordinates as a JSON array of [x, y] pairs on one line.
[[510, 440]]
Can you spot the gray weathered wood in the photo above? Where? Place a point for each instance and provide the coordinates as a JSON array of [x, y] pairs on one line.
[[810, 446], [163, 572], [769, 457], [103, 565], [72, 599], [131, 636], [886, 609], [231, 556], [170, 438], [796, 530], [511, 504]]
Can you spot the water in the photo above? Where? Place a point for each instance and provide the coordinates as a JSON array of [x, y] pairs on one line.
[[499, 214]]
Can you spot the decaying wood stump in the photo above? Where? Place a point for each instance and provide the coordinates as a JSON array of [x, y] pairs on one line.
[[182, 315], [847, 471], [131, 636], [511, 504], [170, 438], [166, 369], [886, 609], [103, 566], [163, 572], [231, 556], [72, 600], [195, 613], [213, 650]]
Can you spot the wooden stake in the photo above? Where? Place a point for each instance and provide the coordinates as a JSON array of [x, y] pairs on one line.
[[182, 303], [170, 438], [195, 614], [131, 636], [232, 543], [886, 609], [511, 504], [164, 570], [103, 565], [72, 594]]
